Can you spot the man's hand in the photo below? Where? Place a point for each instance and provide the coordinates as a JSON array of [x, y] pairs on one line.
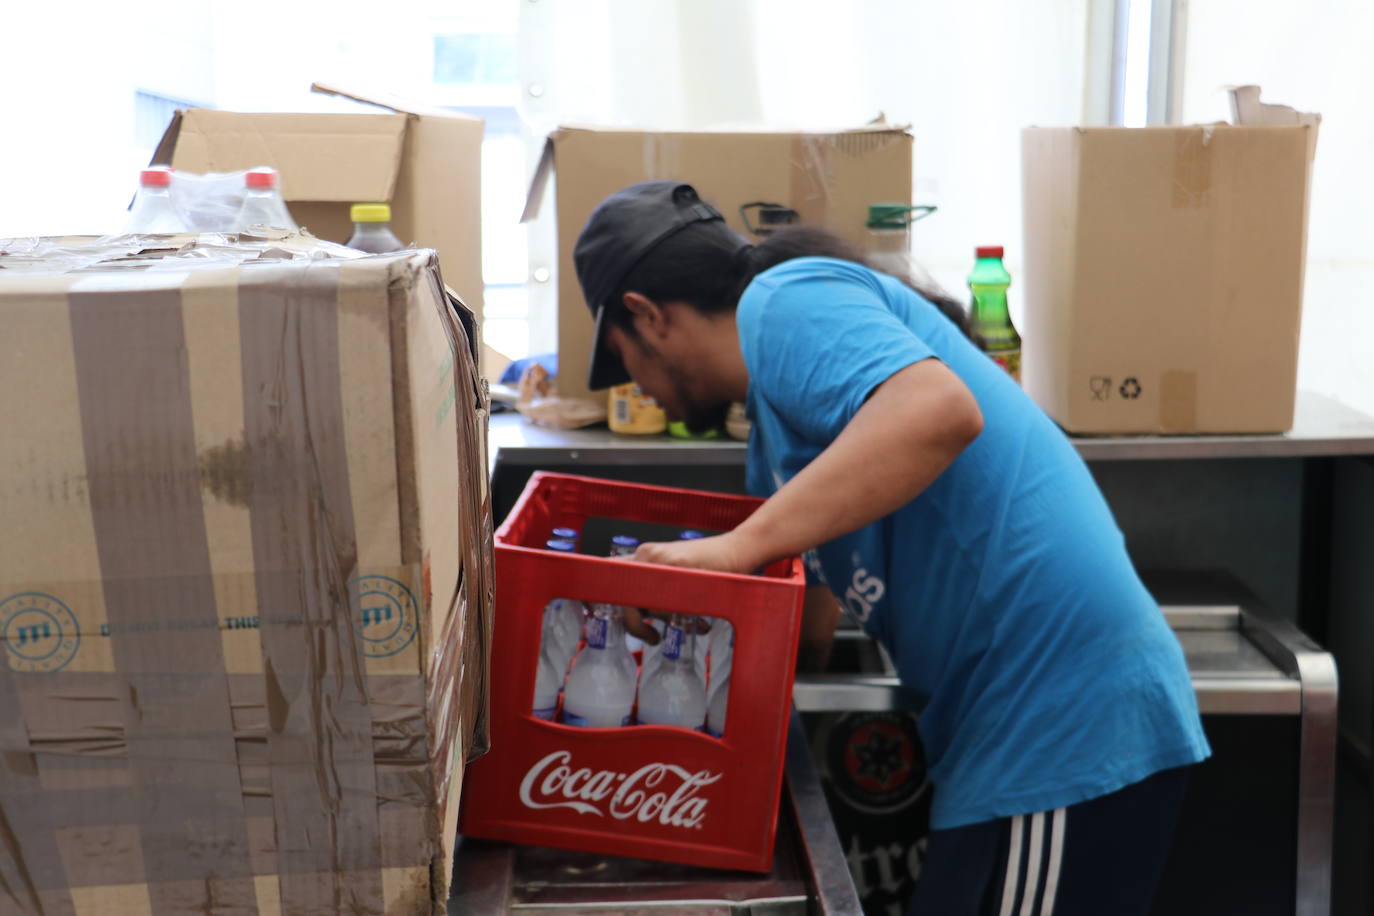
[[723, 553]]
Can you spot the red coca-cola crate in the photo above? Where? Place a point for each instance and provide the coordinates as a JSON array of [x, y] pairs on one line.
[[647, 791]]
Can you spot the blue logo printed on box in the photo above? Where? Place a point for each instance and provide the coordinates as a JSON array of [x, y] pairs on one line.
[[386, 615], [40, 633]]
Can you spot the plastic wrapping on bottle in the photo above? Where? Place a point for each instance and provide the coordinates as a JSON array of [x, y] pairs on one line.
[[210, 202]]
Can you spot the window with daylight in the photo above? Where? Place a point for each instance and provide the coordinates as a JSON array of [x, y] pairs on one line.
[[152, 112], [480, 58]]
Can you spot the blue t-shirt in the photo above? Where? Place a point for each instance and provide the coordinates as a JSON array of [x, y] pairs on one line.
[[1003, 591]]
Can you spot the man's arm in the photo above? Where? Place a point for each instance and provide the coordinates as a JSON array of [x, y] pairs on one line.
[[820, 614], [908, 431]]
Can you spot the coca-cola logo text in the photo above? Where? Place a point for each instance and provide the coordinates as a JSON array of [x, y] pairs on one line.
[[660, 792]]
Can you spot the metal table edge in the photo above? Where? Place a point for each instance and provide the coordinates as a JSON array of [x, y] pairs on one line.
[[828, 870]]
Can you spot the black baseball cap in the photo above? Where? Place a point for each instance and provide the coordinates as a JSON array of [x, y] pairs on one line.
[[623, 229]]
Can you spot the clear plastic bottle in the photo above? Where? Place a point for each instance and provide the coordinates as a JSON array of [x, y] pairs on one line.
[[563, 617], [719, 651], [649, 660], [722, 648], [624, 545], [599, 692], [675, 694], [372, 229], [560, 635], [154, 211], [262, 202], [548, 682], [889, 239], [706, 624]]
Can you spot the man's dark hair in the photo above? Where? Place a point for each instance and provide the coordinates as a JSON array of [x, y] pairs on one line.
[[709, 271]]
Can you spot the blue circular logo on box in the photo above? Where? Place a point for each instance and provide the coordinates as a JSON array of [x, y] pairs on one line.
[[386, 615], [39, 632]]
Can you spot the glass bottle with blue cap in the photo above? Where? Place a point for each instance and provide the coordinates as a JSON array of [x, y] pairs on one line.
[[560, 635]]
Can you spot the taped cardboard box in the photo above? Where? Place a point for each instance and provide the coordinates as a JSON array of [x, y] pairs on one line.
[[828, 178], [245, 588], [1164, 274], [425, 162]]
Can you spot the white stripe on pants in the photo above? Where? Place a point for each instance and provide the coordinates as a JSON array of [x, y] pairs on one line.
[[1013, 887], [1013, 867]]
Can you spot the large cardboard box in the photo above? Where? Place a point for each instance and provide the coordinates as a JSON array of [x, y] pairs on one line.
[[245, 580], [1164, 275], [425, 162], [828, 178]]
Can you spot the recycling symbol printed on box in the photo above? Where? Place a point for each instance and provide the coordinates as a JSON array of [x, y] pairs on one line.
[[1101, 387]]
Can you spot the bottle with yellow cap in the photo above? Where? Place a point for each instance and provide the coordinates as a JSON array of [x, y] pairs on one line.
[[372, 229]]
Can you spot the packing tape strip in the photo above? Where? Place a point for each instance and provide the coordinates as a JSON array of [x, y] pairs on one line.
[[1192, 173], [293, 419], [144, 484], [811, 178], [1178, 401]]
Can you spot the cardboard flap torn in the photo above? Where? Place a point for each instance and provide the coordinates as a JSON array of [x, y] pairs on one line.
[[534, 199], [1248, 111], [163, 154], [321, 157], [389, 101]]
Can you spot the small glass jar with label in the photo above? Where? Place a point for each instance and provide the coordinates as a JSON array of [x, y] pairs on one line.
[[634, 413]]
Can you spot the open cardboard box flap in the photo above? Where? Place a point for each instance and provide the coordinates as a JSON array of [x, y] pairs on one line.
[[534, 198], [321, 157], [389, 101], [424, 162], [364, 150]]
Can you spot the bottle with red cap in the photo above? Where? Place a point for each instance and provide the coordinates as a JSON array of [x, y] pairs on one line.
[[154, 212], [262, 202], [991, 320]]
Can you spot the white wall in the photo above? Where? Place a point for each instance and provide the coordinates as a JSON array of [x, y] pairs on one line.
[[1314, 56], [966, 76], [267, 63], [67, 114], [72, 69]]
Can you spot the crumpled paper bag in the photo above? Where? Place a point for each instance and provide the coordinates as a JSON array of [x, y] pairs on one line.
[[540, 403]]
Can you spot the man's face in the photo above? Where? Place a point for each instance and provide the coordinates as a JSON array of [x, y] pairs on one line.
[[667, 377]]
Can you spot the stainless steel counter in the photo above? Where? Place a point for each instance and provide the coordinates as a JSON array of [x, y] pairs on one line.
[[1322, 427]]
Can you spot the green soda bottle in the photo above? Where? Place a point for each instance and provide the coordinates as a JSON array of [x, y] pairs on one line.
[[991, 320]]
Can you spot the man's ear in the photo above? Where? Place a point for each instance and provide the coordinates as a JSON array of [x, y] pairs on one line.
[[650, 319]]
